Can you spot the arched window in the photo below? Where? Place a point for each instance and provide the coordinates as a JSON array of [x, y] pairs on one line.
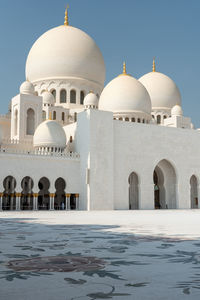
[[16, 122], [132, 119], [82, 96], [126, 119], [54, 93], [54, 115], [30, 122], [143, 121], [138, 120], [165, 117], [72, 96], [158, 119], [120, 119], [63, 96], [63, 116], [43, 115]]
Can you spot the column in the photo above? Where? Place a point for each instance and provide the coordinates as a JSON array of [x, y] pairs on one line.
[[52, 195], [18, 196], [67, 201], [77, 201], [1, 200], [11, 201], [35, 201]]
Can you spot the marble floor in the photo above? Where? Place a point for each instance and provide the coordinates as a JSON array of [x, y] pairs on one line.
[[100, 255]]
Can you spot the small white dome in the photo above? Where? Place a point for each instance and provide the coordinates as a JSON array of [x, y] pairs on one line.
[[125, 94], [65, 52], [27, 88], [177, 111], [48, 98], [91, 100], [49, 134], [162, 90]]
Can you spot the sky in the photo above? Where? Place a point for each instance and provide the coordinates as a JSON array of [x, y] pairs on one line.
[[130, 30]]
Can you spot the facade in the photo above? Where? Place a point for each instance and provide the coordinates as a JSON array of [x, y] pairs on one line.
[[68, 142]]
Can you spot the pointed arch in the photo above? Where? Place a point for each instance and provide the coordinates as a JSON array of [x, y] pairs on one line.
[[193, 191], [60, 199], [30, 122], [9, 194], [16, 122], [26, 201], [44, 195], [164, 177], [133, 191]]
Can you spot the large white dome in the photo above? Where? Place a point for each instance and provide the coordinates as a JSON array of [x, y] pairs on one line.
[[49, 134], [163, 91], [64, 52], [125, 94]]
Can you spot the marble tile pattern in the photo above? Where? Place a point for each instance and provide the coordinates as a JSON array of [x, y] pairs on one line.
[[42, 259]]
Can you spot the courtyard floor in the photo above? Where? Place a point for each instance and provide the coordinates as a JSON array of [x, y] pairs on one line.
[[100, 255]]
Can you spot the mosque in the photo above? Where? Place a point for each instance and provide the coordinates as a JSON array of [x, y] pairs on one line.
[[69, 143]]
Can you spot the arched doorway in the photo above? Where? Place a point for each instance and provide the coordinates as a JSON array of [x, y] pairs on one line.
[[43, 195], [26, 201], [164, 178], [133, 191], [9, 195], [194, 192], [60, 199]]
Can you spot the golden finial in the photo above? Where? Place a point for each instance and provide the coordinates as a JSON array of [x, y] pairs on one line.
[[154, 65], [50, 115], [124, 68], [66, 23]]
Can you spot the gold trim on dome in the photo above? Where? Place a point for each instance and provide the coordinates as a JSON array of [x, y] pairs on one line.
[[124, 70], [154, 65], [66, 23]]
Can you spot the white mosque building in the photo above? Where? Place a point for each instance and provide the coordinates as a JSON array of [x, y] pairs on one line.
[[68, 142]]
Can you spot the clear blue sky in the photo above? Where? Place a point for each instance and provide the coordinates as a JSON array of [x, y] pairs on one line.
[[131, 30]]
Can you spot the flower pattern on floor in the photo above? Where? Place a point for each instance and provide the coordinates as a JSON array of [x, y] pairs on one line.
[[89, 262]]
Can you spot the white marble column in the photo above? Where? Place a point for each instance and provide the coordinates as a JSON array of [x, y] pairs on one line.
[[52, 195], [35, 201], [18, 196], [77, 201], [1, 200], [67, 203]]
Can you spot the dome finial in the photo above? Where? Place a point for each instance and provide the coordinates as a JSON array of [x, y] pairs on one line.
[[124, 68], [154, 65], [66, 23]]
